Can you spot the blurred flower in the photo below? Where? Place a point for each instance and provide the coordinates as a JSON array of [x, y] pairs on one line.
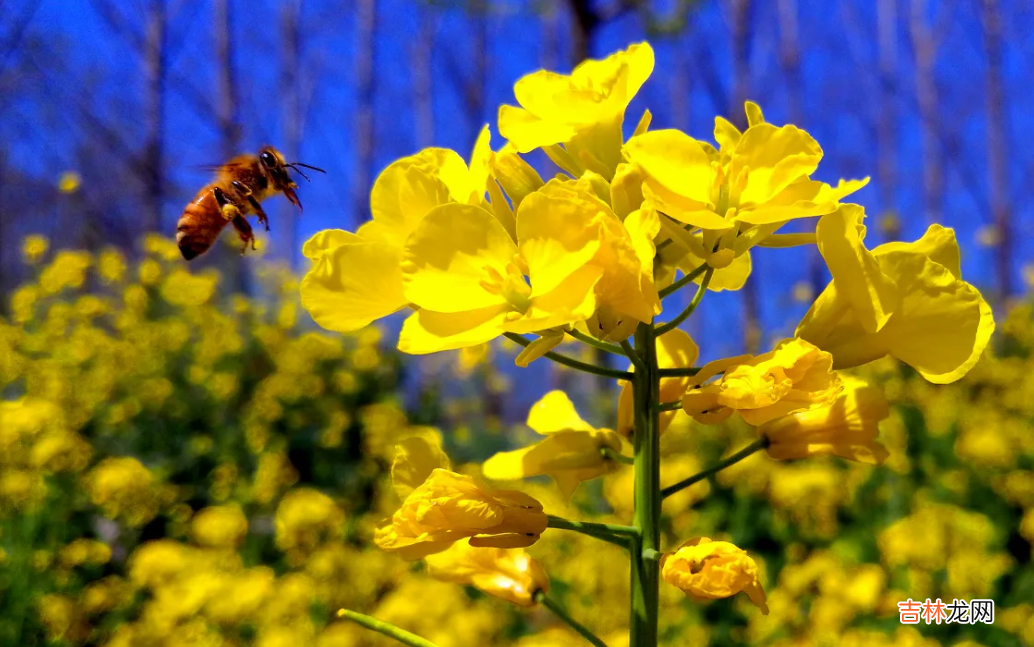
[[708, 570], [510, 574], [67, 270], [222, 526], [583, 111], [796, 376], [847, 427], [572, 452], [124, 489], [305, 519], [34, 247], [69, 182]]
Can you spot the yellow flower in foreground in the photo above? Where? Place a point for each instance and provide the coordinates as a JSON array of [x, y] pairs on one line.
[[450, 506], [356, 278], [847, 428], [907, 300], [571, 453], [510, 574], [708, 570], [584, 111], [794, 377], [759, 177], [675, 349], [441, 507]]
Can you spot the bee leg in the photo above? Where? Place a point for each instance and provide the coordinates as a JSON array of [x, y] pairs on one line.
[[227, 207], [244, 232], [262, 218], [246, 192]]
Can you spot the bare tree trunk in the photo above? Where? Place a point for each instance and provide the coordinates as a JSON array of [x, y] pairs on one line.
[[549, 56], [790, 62], [997, 152], [479, 79], [291, 91], [230, 265], [366, 28], [583, 25], [742, 40], [886, 123], [423, 71], [925, 51], [154, 115]]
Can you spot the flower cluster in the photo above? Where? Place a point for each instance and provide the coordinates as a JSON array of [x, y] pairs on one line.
[[487, 248]]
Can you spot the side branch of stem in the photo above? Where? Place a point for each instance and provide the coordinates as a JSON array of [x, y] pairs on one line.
[[614, 534], [755, 446], [386, 628], [685, 280], [595, 343], [560, 613], [570, 362], [682, 316]]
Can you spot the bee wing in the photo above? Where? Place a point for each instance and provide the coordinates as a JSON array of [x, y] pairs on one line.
[[214, 168]]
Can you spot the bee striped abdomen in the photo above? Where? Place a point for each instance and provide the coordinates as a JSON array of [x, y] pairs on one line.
[[199, 226]]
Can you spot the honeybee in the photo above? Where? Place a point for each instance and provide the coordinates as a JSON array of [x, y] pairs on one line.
[[239, 187]]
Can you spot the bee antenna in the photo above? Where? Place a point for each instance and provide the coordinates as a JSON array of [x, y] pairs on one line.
[[299, 172], [315, 168]]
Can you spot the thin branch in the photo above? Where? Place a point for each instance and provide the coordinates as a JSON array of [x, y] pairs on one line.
[[637, 361], [677, 321], [559, 612], [595, 343], [685, 280], [609, 453], [386, 628], [673, 405], [573, 363], [614, 534], [755, 446]]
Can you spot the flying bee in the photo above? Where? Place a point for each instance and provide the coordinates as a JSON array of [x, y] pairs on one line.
[[237, 191]]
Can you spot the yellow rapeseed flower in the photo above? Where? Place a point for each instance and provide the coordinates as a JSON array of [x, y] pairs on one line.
[[124, 489], [794, 377], [448, 506], [510, 574], [847, 427], [306, 518], [571, 453], [583, 111], [907, 300], [708, 570], [222, 526], [34, 246]]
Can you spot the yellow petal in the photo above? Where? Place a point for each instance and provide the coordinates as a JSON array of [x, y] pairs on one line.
[[430, 332], [773, 158], [450, 255], [353, 285], [557, 235], [554, 413], [570, 303], [856, 272], [327, 239], [626, 190], [726, 134], [526, 132], [415, 459], [684, 209], [754, 115], [675, 161], [402, 194], [516, 176], [938, 243], [547, 341]]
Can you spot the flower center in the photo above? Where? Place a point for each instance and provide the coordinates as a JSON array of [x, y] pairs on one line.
[[512, 287]]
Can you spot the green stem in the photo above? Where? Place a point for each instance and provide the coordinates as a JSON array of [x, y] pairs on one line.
[[674, 405], [645, 573], [573, 363], [614, 534], [674, 323], [610, 453], [755, 446], [559, 612], [595, 343], [386, 628], [686, 371], [637, 361], [685, 280]]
